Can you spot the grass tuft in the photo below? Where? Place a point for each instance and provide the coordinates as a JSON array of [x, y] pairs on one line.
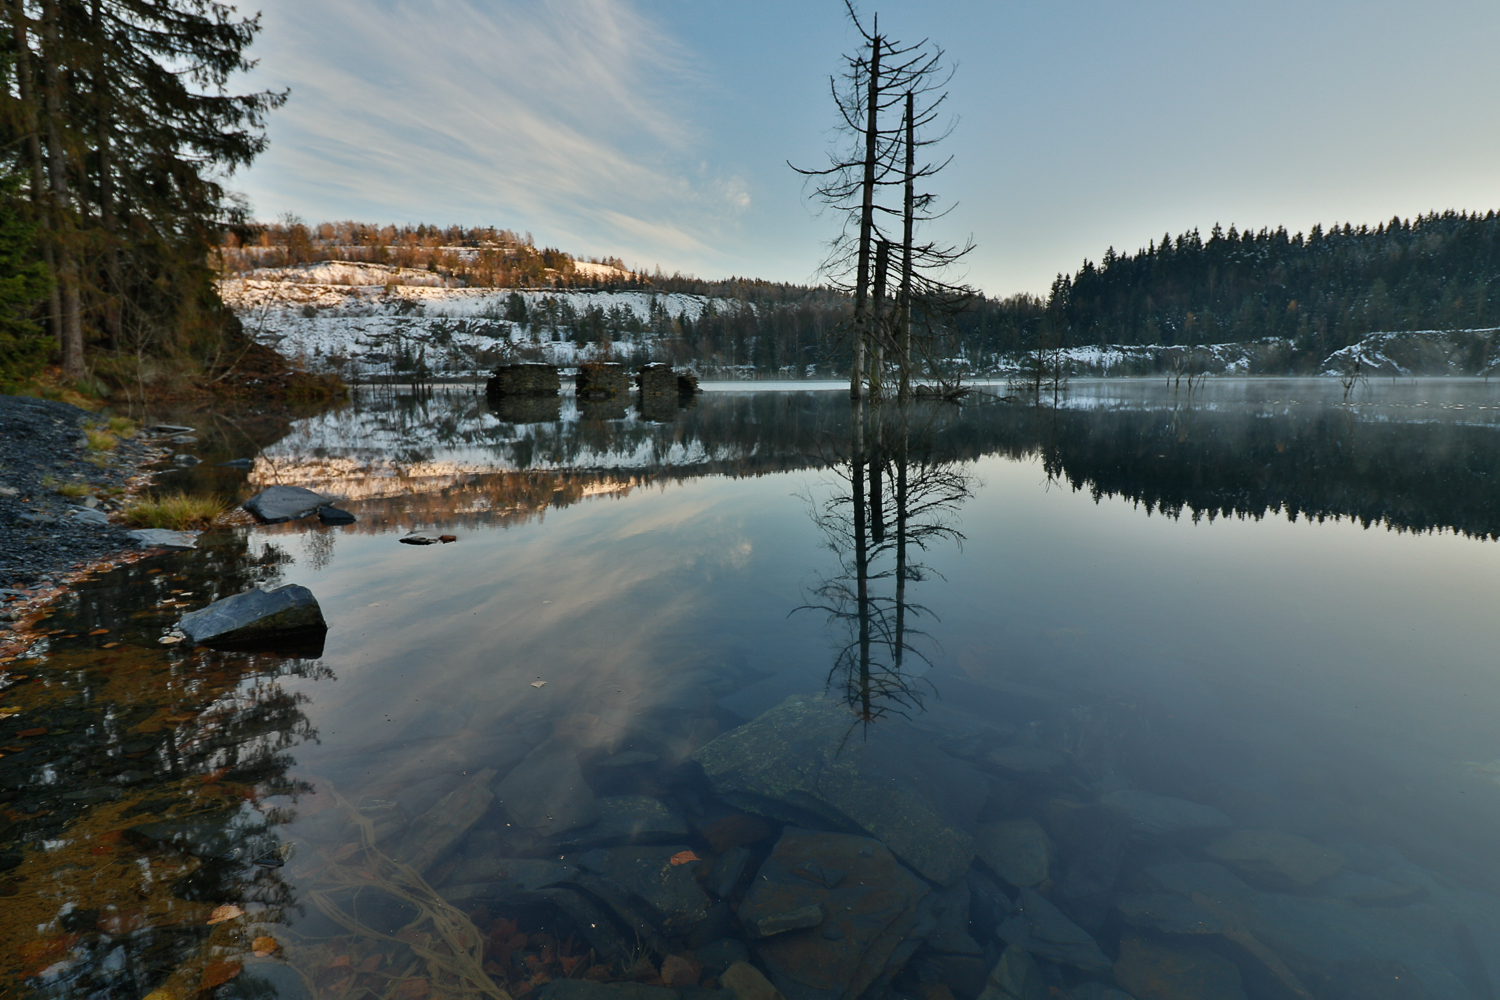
[[176, 511], [102, 441], [122, 427]]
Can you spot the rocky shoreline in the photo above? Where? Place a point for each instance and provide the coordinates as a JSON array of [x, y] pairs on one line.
[[47, 534]]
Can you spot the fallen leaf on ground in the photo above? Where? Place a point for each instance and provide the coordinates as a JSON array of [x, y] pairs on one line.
[[228, 911], [38, 731], [264, 946], [537, 684], [169, 639], [109, 645], [683, 857], [100, 631]]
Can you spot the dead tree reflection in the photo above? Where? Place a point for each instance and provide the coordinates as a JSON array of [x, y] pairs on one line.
[[898, 496]]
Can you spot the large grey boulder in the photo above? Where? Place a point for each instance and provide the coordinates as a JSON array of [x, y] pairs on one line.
[[807, 761], [285, 503], [256, 617]]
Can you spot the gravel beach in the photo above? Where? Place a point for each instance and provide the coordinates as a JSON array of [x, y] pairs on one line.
[[44, 533]]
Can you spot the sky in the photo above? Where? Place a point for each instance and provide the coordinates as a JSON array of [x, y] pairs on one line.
[[660, 131]]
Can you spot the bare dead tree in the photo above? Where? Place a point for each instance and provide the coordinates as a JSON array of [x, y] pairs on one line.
[[884, 74]]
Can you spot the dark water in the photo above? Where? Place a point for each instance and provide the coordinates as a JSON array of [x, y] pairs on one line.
[[1189, 695]]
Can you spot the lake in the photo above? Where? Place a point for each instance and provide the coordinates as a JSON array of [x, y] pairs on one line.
[[1176, 692]]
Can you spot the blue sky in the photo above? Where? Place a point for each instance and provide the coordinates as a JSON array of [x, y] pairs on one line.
[[659, 130]]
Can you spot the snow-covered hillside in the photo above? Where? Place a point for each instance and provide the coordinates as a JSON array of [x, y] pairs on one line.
[[374, 321]]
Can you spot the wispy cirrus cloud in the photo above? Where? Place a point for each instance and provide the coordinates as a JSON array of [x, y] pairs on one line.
[[568, 118]]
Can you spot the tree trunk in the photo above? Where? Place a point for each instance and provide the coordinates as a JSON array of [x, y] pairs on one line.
[[877, 317], [39, 197], [72, 318], [908, 217], [111, 289], [861, 555], [866, 219]]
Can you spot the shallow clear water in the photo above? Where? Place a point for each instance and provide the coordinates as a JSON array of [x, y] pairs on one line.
[[1265, 602]]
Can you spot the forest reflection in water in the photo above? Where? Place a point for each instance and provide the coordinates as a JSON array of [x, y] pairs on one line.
[[1007, 796]]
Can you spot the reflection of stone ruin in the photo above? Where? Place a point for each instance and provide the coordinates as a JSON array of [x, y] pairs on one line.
[[525, 379], [596, 381]]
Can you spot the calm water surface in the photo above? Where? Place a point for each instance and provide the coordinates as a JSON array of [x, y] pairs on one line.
[[1184, 694]]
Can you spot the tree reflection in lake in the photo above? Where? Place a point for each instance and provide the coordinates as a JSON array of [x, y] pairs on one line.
[[142, 787], [898, 495]]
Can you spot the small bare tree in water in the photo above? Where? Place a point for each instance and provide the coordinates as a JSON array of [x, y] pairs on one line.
[[883, 78]]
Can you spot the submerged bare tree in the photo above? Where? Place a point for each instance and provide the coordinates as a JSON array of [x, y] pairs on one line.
[[871, 157]]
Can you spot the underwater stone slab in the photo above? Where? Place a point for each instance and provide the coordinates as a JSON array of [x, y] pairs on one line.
[[164, 538], [430, 836], [546, 792], [1318, 936], [1152, 815], [647, 873], [1166, 912], [800, 763], [255, 616], [1157, 972], [1042, 929], [868, 903], [275, 504], [1095, 991], [1282, 856], [1019, 851], [1015, 977], [635, 819]]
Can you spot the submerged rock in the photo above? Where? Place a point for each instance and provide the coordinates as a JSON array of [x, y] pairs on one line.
[[1155, 972], [1042, 929], [627, 758], [1015, 977], [1166, 912], [863, 900], [284, 503], [1151, 815], [164, 538], [1323, 938], [1283, 857], [437, 830], [1095, 991], [628, 819], [257, 618], [674, 901], [943, 922], [801, 763], [546, 792], [1019, 851], [503, 878]]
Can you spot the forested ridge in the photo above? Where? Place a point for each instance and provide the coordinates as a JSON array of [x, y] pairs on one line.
[[1323, 291]]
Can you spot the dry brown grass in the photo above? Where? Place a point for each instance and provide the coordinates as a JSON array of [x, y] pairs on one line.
[[176, 511]]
